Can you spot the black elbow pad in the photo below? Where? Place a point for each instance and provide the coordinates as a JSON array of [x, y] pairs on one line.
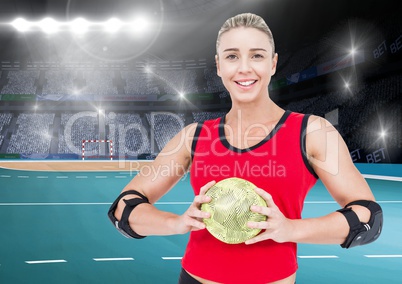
[[362, 233], [123, 225]]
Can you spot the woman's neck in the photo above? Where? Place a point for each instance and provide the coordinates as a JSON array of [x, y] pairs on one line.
[[258, 112]]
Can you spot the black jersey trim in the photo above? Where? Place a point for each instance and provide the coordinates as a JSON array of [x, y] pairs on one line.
[[226, 143], [195, 138], [303, 136]]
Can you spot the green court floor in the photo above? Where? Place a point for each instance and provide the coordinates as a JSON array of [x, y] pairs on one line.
[[54, 229]]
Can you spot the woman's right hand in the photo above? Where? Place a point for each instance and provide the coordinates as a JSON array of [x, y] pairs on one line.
[[192, 219]]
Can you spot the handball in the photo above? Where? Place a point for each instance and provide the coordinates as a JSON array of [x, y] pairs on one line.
[[229, 207]]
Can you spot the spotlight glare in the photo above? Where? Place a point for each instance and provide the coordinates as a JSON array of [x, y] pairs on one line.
[[347, 85], [21, 24], [352, 51], [48, 25], [383, 134], [113, 25], [79, 26], [182, 95], [139, 25], [148, 69], [76, 92]]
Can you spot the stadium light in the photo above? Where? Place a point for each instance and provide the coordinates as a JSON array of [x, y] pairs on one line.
[[383, 134], [49, 25], [21, 24], [352, 51], [113, 25], [79, 26]]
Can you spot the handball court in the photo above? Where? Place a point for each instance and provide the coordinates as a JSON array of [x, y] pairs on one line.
[[54, 229]]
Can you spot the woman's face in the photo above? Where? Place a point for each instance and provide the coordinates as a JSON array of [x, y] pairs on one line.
[[245, 63]]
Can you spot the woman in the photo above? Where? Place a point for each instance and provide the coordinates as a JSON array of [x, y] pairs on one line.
[[282, 153]]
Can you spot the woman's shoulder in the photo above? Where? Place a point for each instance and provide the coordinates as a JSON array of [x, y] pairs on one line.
[[318, 123]]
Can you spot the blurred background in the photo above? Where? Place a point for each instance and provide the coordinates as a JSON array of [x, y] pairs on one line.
[[133, 73]]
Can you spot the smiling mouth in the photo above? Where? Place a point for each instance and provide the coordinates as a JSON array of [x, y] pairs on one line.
[[246, 83]]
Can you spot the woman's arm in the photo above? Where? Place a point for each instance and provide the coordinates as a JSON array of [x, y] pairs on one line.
[[330, 159], [155, 180]]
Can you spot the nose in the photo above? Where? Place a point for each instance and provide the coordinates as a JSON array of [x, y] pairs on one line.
[[244, 65]]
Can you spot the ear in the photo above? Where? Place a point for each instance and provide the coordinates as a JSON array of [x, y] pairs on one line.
[[274, 64], [218, 69]]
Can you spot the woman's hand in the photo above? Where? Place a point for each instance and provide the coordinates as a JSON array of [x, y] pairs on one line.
[[277, 227], [191, 220]]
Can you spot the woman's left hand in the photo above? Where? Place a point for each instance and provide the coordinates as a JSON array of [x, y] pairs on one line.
[[277, 227]]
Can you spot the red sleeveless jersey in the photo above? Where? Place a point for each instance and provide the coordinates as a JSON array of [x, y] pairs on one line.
[[277, 164]]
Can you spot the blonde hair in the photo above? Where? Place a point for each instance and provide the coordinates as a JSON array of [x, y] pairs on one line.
[[246, 20]]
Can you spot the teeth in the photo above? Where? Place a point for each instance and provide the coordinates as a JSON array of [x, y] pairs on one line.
[[246, 83]]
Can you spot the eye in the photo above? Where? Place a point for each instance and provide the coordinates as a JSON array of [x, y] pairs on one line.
[[258, 56], [231, 57]]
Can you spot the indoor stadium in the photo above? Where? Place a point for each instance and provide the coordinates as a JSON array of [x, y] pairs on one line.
[[92, 92]]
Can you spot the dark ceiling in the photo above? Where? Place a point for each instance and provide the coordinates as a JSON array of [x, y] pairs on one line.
[[188, 28]]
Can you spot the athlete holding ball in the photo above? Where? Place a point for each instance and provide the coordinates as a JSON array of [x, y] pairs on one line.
[[255, 134]]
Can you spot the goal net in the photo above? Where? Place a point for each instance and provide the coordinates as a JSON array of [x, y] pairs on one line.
[[109, 142]]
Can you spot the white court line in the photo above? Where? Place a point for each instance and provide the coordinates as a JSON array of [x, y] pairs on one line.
[[157, 203], [172, 257], [45, 261], [331, 202], [42, 177], [22, 176], [318, 256], [173, 203], [384, 256], [5, 176], [382, 177], [114, 259], [54, 203], [81, 177], [319, 202], [120, 176], [62, 177], [100, 176]]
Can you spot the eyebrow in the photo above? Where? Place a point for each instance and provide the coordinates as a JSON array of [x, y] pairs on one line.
[[251, 49]]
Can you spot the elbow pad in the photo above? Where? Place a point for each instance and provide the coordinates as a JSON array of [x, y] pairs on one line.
[[123, 226], [362, 233]]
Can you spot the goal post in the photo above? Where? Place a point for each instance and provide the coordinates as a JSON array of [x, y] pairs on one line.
[[98, 141]]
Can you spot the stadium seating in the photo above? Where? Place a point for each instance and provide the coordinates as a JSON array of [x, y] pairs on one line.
[[76, 127], [33, 134], [59, 82], [202, 116], [137, 83], [363, 108], [5, 119], [21, 82], [165, 126], [213, 81], [178, 81], [128, 134], [99, 83]]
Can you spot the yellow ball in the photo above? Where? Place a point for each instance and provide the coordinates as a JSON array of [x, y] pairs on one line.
[[230, 204]]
